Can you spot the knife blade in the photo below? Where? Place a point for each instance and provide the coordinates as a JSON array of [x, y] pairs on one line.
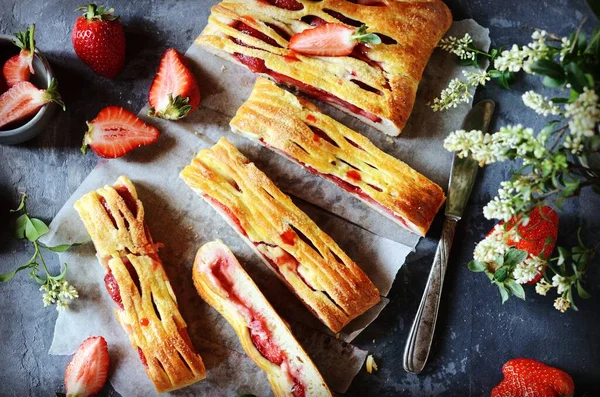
[[462, 179]]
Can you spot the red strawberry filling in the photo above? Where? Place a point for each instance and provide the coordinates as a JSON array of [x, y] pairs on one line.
[[246, 29], [130, 202], [112, 287], [227, 211], [258, 328], [142, 356], [288, 237], [291, 5]]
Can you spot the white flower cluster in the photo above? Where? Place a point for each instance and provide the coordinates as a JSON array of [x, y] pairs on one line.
[[459, 47], [584, 114], [565, 48], [459, 91], [522, 58], [526, 271], [59, 292], [562, 285], [490, 148], [562, 303], [540, 104], [542, 287], [488, 249]]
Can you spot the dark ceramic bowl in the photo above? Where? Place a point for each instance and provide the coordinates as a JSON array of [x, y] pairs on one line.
[[26, 130]]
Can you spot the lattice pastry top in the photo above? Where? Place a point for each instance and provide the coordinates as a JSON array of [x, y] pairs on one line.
[[310, 263], [376, 83], [299, 131], [136, 280]]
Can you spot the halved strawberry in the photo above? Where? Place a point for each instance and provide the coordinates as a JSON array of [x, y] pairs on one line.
[[116, 131], [24, 100], [87, 371], [331, 39], [20, 67], [174, 92]]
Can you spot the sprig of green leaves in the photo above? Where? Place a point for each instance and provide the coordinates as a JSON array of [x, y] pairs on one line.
[[57, 290]]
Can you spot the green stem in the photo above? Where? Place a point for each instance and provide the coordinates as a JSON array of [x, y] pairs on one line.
[[37, 250]]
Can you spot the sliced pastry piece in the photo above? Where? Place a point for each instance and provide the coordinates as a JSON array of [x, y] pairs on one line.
[[299, 131], [222, 283], [376, 83], [136, 281], [308, 261]]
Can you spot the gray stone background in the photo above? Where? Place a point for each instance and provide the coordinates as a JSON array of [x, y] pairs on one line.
[[475, 333]]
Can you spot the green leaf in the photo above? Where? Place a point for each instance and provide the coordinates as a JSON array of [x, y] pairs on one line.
[[552, 83], [7, 276], [571, 187], [501, 273], [361, 35], [21, 203], [494, 74], [546, 67], [516, 289], [576, 77], [583, 294], [503, 293], [61, 275], [34, 229], [38, 279], [477, 266], [514, 256], [61, 247], [20, 226], [559, 100], [593, 47], [563, 254]]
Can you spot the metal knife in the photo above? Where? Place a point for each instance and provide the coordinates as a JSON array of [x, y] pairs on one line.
[[462, 178]]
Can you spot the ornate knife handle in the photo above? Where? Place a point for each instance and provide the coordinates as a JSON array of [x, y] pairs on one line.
[[420, 337]]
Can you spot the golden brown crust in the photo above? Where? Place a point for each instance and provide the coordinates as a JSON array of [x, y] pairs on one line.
[[253, 318], [412, 30], [299, 131], [309, 262], [114, 218]]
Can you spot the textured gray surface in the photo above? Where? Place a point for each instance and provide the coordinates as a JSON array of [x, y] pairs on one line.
[[475, 334]]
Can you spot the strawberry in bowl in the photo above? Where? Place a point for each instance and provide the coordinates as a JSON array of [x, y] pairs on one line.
[[20, 67]]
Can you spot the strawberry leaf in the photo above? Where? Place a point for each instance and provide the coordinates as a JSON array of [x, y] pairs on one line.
[[514, 256], [501, 274], [361, 36]]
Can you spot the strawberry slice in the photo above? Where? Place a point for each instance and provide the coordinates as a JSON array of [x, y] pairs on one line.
[[87, 372], [3, 86], [24, 100], [331, 39], [116, 131], [174, 92], [20, 67]]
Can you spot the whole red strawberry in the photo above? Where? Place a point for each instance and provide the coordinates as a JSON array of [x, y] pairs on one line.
[[524, 377], [537, 236], [99, 40]]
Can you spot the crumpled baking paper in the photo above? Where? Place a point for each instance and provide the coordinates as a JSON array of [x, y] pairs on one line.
[[183, 222]]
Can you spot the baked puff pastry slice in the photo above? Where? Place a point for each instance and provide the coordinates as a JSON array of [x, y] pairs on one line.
[[299, 131], [136, 281], [222, 283], [306, 259], [376, 83]]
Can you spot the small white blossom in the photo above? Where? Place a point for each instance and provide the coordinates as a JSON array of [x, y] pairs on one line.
[[561, 283], [59, 293], [475, 144], [565, 47], [517, 59], [459, 47], [540, 104], [499, 209], [526, 271], [490, 247], [562, 304], [584, 114], [459, 91], [542, 287], [476, 78]]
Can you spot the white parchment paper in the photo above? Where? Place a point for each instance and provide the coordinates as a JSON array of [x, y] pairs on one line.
[[183, 222]]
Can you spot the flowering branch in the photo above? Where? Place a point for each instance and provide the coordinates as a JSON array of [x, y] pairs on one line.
[[556, 163]]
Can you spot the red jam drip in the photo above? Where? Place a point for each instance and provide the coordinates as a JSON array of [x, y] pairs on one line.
[[320, 134], [291, 58], [142, 357], [356, 145], [257, 65], [291, 5], [284, 35], [288, 237], [246, 29], [229, 214], [113, 289], [298, 390], [144, 322], [311, 118], [354, 175], [130, 202]]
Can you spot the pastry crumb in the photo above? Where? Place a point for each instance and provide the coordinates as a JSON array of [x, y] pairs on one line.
[[190, 227], [371, 365], [389, 139], [337, 336], [373, 340], [223, 68]]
